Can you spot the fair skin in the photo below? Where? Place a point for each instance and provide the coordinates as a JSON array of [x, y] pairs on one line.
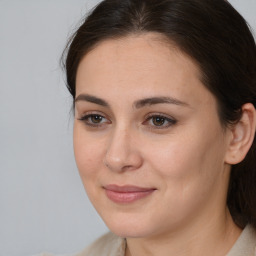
[[173, 147]]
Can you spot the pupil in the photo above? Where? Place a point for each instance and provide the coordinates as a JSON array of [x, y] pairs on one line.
[[158, 121], [96, 119]]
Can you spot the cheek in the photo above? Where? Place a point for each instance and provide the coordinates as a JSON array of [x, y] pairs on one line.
[[173, 158], [187, 161], [89, 159], [88, 153], [190, 173]]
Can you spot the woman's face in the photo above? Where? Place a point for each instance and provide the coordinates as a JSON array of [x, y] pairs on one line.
[[148, 142]]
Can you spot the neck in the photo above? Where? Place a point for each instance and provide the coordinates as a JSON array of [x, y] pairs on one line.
[[213, 237]]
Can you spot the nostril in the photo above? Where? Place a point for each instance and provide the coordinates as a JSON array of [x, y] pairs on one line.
[[121, 154]]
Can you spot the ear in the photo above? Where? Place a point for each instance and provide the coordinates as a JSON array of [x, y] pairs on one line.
[[242, 135]]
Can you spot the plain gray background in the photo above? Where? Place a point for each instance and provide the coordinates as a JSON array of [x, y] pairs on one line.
[[43, 206]]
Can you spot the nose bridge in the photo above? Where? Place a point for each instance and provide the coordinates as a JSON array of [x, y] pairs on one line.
[[122, 152]]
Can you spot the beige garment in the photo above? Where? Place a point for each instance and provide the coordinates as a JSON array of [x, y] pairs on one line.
[[245, 244], [112, 245], [107, 245]]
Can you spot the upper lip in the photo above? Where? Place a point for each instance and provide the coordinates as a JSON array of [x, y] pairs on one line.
[[127, 188]]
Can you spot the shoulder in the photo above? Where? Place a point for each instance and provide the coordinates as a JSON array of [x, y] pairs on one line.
[[51, 254], [246, 243], [108, 245]]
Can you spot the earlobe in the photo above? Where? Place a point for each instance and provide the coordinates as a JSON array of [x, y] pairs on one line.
[[242, 135]]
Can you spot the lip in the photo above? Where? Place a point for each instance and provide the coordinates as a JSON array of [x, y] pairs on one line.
[[127, 193]]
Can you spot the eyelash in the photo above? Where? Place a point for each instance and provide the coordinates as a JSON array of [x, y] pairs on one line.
[[86, 118], [170, 121]]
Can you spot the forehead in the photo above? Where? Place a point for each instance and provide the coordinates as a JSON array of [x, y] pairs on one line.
[[145, 48], [138, 64]]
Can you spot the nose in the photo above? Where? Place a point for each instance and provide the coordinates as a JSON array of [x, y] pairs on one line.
[[122, 152]]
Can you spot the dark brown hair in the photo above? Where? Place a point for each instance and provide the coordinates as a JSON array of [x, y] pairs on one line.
[[216, 37]]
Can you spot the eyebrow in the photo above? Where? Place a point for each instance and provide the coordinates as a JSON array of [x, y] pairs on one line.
[[158, 100], [92, 99], [137, 104]]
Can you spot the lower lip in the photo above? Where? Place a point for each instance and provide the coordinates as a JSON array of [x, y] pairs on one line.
[[127, 197]]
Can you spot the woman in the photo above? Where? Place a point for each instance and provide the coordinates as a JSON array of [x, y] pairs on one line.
[[164, 132]]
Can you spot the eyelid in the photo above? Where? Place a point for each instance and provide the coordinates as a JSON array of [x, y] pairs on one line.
[[92, 112], [89, 114], [171, 120], [86, 116]]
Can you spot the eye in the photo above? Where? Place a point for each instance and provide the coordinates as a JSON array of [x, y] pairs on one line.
[[160, 121], [94, 119]]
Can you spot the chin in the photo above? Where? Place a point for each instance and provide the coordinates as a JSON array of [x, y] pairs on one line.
[[130, 232], [129, 226]]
